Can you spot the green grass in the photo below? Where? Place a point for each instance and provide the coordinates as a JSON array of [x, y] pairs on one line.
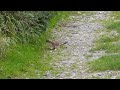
[[21, 59], [113, 26], [107, 44], [62, 15], [109, 48], [107, 39], [106, 63], [30, 60]]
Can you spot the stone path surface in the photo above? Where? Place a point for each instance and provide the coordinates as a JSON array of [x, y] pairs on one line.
[[80, 32]]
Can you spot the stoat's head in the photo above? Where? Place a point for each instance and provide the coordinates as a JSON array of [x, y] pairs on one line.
[[47, 40]]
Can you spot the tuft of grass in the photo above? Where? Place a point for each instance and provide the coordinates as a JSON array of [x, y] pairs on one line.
[[24, 59], [4, 43], [105, 63], [114, 26], [108, 39], [106, 43], [108, 47], [60, 16], [30, 60], [110, 44]]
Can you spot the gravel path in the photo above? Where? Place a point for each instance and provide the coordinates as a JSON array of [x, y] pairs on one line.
[[80, 32]]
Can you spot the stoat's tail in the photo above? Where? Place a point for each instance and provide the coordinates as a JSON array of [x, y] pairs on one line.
[[64, 43], [54, 45]]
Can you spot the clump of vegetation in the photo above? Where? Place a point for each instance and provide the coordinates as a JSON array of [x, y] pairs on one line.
[[111, 62], [25, 26], [3, 46], [110, 43], [23, 34]]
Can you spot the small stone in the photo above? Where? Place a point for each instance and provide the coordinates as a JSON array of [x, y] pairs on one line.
[[99, 74], [113, 77], [45, 75]]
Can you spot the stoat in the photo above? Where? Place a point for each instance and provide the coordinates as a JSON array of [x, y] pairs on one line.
[[55, 44]]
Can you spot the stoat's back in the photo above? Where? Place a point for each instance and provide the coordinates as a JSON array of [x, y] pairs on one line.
[[55, 44]]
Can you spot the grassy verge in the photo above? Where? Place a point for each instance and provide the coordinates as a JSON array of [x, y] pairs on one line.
[[30, 60], [106, 63], [110, 43]]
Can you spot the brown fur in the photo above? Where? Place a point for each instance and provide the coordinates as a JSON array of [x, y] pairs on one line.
[[55, 44]]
